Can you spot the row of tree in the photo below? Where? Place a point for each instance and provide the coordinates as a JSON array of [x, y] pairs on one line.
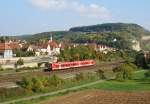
[[77, 53], [82, 52]]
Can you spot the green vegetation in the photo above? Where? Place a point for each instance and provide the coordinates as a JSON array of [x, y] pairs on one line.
[[147, 74], [136, 84], [123, 72], [80, 52], [109, 27], [20, 62], [14, 93], [35, 101], [100, 74], [46, 84], [123, 86], [38, 85], [126, 77], [142, 61], [3, 39], [24, 53]]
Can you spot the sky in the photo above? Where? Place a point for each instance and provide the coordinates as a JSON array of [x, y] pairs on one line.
[[18, 17]]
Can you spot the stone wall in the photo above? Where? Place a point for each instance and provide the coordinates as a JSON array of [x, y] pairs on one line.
[[13, 60]]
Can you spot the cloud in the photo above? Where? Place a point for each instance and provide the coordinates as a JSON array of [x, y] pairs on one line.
[[90, 11]]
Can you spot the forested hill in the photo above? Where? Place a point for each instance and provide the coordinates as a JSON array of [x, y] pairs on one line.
[[112, 27]]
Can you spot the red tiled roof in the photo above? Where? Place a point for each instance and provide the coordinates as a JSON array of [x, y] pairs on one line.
[[53, 44], [42, 46], [4, 46], [34, 46], [14, 46]]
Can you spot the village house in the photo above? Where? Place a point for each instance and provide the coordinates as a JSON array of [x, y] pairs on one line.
[[103, 48], [7, 48], [51, 48], [5, 51]]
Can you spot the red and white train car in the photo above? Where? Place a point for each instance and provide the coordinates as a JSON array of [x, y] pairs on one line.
[[67, 65]]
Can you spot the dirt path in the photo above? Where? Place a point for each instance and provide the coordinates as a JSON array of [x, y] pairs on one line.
[[102, 97], [53, 93]]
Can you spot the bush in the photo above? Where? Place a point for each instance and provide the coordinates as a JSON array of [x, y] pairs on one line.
[[133, 66], [124, 71], [91, 76], [100, 74], [79, 77], [37, 85], [26, 83], [55, 81], [20, 62], [147, 74]]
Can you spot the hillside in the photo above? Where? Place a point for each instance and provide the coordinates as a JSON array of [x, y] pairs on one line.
[[128, 35], [111, 27]]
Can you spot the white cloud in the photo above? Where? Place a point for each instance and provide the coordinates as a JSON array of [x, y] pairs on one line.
[[90, 11]]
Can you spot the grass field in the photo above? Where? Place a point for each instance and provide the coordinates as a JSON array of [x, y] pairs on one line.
[[136, 84], [123, 86]]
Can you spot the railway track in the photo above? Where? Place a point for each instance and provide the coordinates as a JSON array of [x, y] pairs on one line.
[[18, 76]]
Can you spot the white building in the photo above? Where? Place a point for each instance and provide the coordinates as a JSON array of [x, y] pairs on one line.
[[5, 51]]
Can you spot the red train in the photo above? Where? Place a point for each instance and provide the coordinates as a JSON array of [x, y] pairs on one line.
[[67, 65]]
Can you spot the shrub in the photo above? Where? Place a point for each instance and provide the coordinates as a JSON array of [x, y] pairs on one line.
[[133, 66], [37, 85], [100, 74], [79, 77], [27, 83], [147, 74], [55, 81], [123, 72], [20, 62]]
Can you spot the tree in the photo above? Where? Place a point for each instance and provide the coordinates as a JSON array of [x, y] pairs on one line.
[[141, 61], [124, 72]]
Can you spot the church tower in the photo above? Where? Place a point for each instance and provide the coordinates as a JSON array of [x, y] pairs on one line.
[[51, 37]]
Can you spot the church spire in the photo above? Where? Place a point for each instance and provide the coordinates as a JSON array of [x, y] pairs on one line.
[[51, 37]]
